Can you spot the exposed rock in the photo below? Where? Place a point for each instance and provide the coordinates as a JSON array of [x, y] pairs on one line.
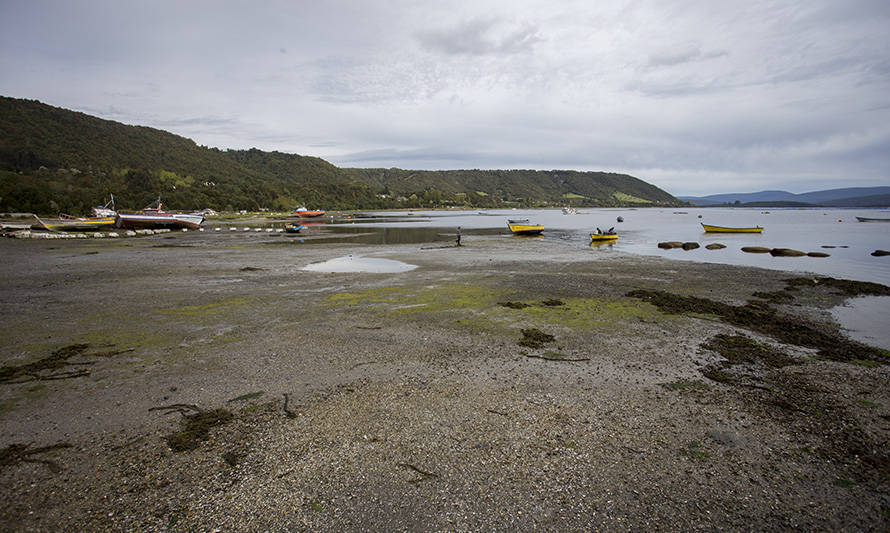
[[715, 246], [786, 252], [670, 244], [755, 249], [690, 245], [880, 253], [818, 254]]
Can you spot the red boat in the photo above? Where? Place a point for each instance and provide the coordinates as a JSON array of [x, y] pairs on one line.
[[302, 212]]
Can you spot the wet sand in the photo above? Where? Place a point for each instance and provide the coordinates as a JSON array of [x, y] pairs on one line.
[[411, 404]]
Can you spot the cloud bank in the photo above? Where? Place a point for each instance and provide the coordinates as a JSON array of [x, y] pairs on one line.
[[696, 97]]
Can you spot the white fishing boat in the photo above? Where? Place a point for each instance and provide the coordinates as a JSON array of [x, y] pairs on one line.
[[154, 216]]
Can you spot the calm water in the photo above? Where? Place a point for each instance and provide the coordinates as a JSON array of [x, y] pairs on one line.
[[808, 230]]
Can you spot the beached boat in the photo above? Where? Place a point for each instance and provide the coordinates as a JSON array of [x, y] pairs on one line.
[[302, 212], [106, 210], [724, 229], [293, 228], [102, 217], [525, 228], [872, 219], [569, 211], [70, 223], [603, 237], [154, 216]]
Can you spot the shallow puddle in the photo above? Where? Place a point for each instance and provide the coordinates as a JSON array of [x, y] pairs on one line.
[[355, 263], [865, 319]]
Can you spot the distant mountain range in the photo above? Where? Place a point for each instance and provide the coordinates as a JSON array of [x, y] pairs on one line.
[[55, 160], [848, 197]]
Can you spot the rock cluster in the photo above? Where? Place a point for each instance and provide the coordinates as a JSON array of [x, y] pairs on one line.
[[28, 234]]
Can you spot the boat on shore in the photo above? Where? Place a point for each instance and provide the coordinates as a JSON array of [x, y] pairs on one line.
[[107, 210], [603, 237], [154, 216], [525, 228], [101, 217], [302, 212], [872, 219], [724, 229], [71, 223], [293, 228]]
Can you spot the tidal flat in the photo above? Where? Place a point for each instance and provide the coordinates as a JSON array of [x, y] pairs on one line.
[[194, 382]]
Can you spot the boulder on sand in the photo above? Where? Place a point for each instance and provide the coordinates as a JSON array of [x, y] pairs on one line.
[[755, 249], [786, 252], [670, 244], [690, 245], [818, 254], [715, 246]]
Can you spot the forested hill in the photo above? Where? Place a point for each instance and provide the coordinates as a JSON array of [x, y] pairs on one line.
[[53, 160]]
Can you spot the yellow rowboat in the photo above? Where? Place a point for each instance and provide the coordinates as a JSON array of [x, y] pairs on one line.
[[69, 223], [603, 237], [525, 229], [722, 229]]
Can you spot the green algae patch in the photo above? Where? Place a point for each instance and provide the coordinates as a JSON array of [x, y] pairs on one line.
[[125, 336], [406, 300], [596, 313], [206, 310]]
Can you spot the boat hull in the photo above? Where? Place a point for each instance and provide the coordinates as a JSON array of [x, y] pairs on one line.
[[159, 220], [308, 214], [723, 229], [78, 224], [293, 228], [526, 229], [599, 237]]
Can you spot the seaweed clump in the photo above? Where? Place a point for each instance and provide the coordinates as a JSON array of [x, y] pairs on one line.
[[195, 425], [55, 366], [514, 305], [847, 287], [762, 318], [535, 338], [739, 349], [23, 453]]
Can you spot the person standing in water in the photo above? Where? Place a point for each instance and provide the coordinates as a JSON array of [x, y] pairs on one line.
[[458, 235]]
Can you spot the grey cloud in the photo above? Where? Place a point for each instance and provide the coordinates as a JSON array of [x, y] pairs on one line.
[[479, 37], [394, 154], [682, 54]]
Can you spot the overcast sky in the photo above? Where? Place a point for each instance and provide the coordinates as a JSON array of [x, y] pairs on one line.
[[696, 97]]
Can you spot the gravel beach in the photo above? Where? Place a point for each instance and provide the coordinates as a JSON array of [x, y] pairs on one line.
[[201, 382]]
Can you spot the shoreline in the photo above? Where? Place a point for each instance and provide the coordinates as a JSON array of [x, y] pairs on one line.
[[411, 403]]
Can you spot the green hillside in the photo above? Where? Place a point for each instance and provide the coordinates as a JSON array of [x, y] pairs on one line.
[[55, 160]]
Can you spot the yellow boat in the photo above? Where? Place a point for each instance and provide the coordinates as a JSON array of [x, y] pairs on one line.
[[722, 229], [69, 223], [603, 237], [525, 228]]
